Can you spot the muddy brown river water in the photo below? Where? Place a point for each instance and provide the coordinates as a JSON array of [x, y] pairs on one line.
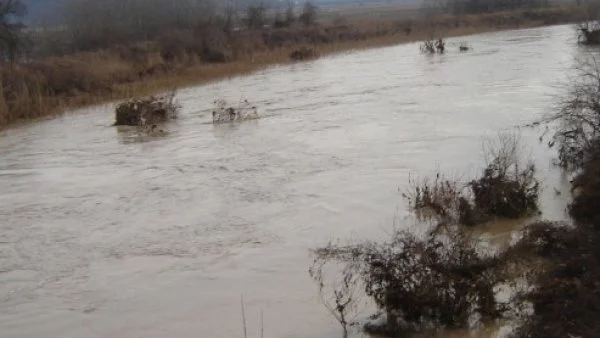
[[104, 233]]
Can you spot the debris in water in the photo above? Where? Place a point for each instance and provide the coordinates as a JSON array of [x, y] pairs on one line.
[[147, 111], [223, 113]]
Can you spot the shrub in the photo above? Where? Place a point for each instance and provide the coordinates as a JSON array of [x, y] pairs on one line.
[[303, 53], [566, 295], [431, 46], [437, 281], [443, 198], [506, 189], [578, 117], [506, 196], [222, 112], [309, 14], [12, 39], [428, 46], [147, 111]]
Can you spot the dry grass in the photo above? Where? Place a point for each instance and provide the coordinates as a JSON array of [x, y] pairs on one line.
[[50, 86]]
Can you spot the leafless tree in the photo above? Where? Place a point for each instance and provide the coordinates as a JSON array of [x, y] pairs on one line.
[[96, 24], [11, 29], [341, 296], [290, 15], [578, 116], [255, 16], [229, 12], [309, 14]]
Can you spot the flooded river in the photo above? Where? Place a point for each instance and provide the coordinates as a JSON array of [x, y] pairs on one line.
[[104, 233]]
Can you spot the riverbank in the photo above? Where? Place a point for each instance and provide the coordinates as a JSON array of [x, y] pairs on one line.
[[48, 87]]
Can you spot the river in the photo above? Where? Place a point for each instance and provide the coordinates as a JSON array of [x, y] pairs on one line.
[[104, 233]]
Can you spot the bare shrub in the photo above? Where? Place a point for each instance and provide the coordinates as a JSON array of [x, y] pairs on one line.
[[586, 202], [578, 117], [147, 111], [340, 297], [303, 53], [255, 16], [223, 112], [507, 188], [566, 293], [437, 281], [290, 15], [445, 199], [12, 38], [430, 46], [309, 14]]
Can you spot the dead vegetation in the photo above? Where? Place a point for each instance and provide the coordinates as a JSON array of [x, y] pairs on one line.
[[430, 46], [589, 29], [303, 54], [507, 188], [224, 113], [147, 111], [578, 117], [420, 283], [566, 294], [444, 279], [566, 297]]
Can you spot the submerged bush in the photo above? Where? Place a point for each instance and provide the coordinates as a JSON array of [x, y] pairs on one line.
[[431, 46], [499, 193], [507, 189], [446, 199], [222, 112], [147, 111], [440, 280]]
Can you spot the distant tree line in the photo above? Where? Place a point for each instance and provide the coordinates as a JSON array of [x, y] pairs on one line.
[[91, 24], [12, 39], [484, 6]]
